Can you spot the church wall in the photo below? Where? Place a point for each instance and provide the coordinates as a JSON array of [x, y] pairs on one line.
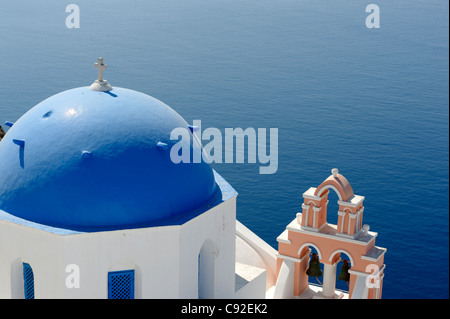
[[165, 259], [19, 244], [151, 252], [217, 225]]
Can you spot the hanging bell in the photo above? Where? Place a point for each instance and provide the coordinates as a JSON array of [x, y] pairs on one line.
[[314, 267], [344, 275]]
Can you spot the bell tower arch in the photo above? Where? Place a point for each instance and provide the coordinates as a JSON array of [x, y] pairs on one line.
[[350, 206]]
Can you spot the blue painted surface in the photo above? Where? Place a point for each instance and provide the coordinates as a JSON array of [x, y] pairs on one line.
[[121, 284], [372, 102], [28, 281], [224, 192], [91, 162]]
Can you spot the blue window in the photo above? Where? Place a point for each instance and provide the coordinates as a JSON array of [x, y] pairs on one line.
[[28, 281], [121, 284]]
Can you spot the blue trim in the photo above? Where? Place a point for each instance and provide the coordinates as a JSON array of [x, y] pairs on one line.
[[121, 284], [19, 142], [28, 281]]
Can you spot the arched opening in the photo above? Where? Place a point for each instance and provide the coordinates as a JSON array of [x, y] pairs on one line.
[[314, 269], [344, 262], [327, 187], [206, 271], [332, 205]]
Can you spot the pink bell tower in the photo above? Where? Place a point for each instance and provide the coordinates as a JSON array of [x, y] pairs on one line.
[[349, 237]]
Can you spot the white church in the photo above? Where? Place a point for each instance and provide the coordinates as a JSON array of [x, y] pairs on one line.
[[91, 206]]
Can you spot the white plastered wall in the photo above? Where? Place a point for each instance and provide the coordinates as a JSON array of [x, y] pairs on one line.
[[164, 258], [218, 225], [95, 254]]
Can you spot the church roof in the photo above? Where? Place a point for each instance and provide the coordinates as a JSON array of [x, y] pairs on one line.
[[92, 160]]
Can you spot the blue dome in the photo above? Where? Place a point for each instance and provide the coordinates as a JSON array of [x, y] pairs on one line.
[[90, 161]]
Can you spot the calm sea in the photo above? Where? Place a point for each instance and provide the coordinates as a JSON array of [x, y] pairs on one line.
[[371, 102]]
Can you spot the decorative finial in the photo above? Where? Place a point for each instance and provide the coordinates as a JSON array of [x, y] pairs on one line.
[[366, 229], [100, 84], [335, 172]]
